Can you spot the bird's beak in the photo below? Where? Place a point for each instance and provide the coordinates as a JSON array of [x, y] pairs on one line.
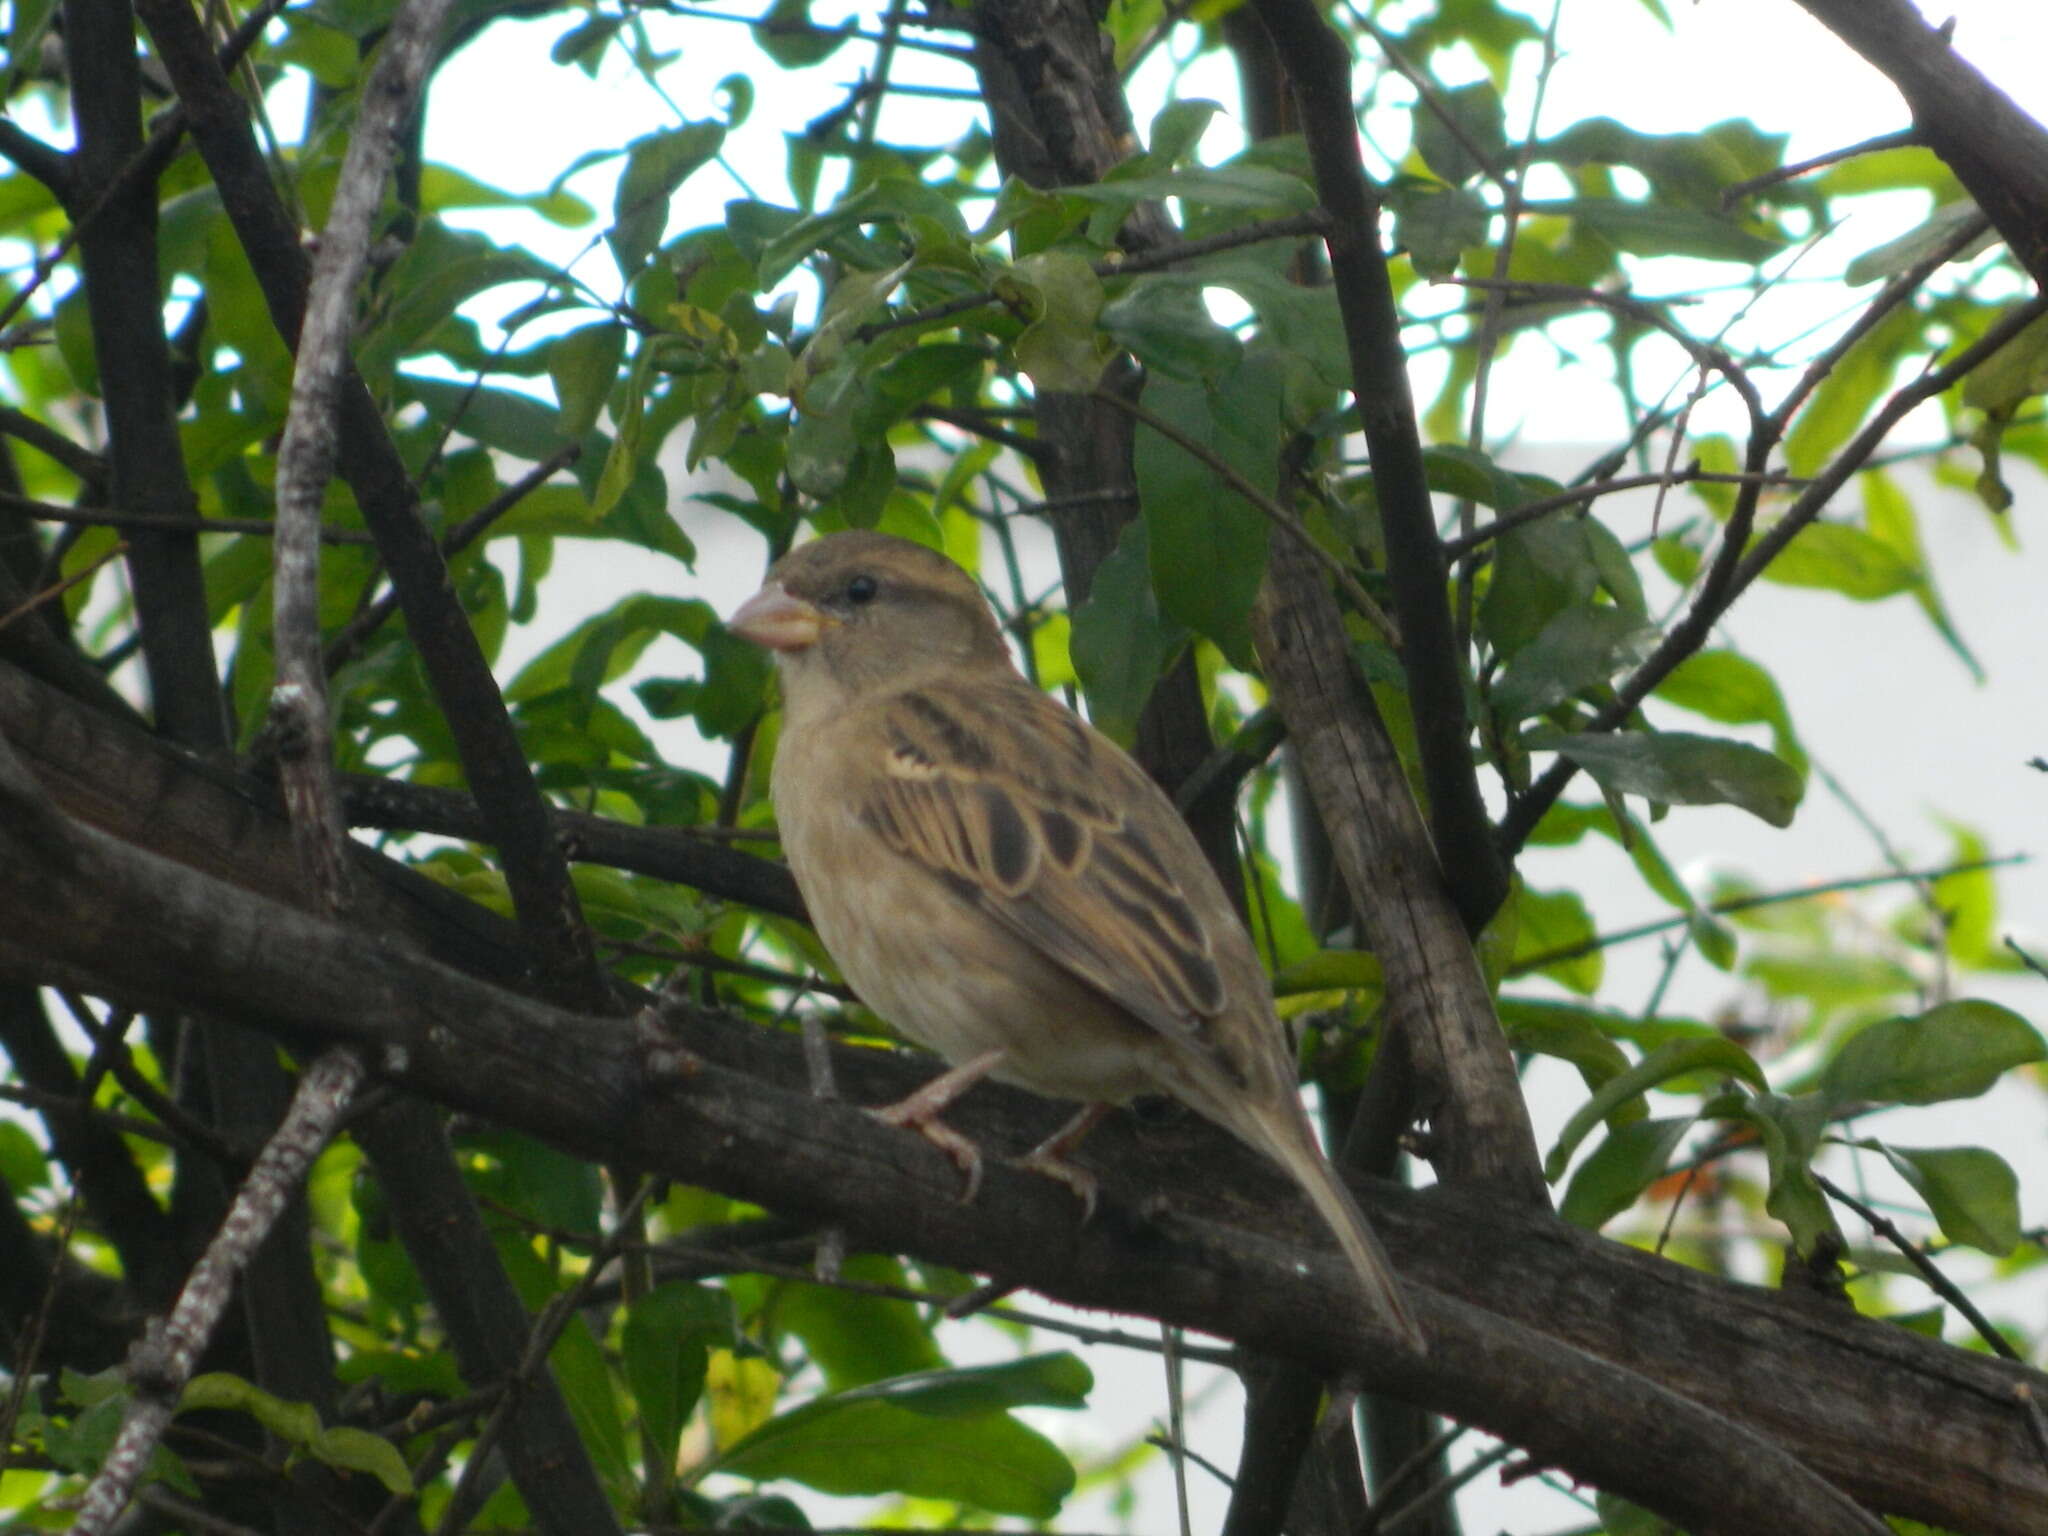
[[777, 621]]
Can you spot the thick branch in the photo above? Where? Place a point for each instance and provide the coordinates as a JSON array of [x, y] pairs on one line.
[[302, 727], [1995, 148], [1319, 65], [1905, 1423], [535, 871], [443, 1231], [1437, 1001], [117, 249]]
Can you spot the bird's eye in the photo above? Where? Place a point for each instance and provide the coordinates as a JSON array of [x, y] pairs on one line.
[[862, 589]]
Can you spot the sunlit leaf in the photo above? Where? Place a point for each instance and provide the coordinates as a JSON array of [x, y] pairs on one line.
[[1674, 1059], [1952, 1051]]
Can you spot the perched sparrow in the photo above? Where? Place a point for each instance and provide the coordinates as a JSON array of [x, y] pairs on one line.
[[1002, 883]]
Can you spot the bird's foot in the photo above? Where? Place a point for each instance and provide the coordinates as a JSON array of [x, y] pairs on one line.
[[1049, 1158], [965, 1154], [920, 1112]]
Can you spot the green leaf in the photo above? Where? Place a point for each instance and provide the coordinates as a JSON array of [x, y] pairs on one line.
[[1121, 643], [517, 424], [1567, 1034], [584, 364], [1842, 559], [443, 186], [666, 1348], [1481, 124], [357, 1450], [1206, 545], [934, 1434], [1471, 475], [1614, 1175], [656, 166], [858, 1340], [1889, 517], [73, 322], [330, 55], [867, 1448], [1675, 1058], [1618, 1517], [1968, 902], [1683, 168], [1653, 229], [1952, 1051], [1734, 690], [1580, 648], [1971, 1192], [789, 36], [1301, 320], [294, 1423], [1791, 1129], [22, 1163], [1055, 1380], [1240, 186], [1060, 297], [1437, 225], [1547, 922], [1920, 244], [442, 270], [588, 1389], [2015, 372], [1165, 324], [1678, 768], [1842, 399], [1539, 570]]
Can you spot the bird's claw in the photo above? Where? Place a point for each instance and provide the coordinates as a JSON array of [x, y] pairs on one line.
[[1051, 1165], [913, 1115]]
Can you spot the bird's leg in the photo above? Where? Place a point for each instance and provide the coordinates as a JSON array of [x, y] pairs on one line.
[[920, 1112], [1049, 1157]]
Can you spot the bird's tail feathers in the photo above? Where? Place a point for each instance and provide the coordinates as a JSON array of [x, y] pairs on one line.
[[1283, 1132]]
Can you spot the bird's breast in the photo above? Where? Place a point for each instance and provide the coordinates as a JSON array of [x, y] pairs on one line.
[[942, 972]]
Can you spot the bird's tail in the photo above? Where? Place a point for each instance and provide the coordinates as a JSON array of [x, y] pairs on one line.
[[1282, 1131]]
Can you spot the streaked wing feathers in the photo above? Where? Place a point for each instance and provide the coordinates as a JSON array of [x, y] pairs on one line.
[[1021, 808]]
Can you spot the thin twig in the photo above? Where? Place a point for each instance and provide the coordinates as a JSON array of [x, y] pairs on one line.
[[1523, 967], [58, 589], [301, 725], [1705, 354], [163, 1362], [1529, 511], [1928, 1270], [349, 639], [1730, 196], [107, 517]]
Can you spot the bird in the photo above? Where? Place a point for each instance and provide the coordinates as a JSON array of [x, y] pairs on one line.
[[1007, 887]]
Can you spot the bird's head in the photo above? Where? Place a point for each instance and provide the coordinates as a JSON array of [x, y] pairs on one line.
[[857, 611]]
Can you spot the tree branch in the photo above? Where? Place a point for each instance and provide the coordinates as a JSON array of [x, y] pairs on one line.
[[1319, 65], [1995, 149], [535, 872], [1524, 1350], [1437, 1001]]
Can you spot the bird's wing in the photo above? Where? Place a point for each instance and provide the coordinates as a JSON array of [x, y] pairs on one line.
[[1051, 830]]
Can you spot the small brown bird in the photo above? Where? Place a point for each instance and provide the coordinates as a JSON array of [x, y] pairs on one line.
[[1003, 884]]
